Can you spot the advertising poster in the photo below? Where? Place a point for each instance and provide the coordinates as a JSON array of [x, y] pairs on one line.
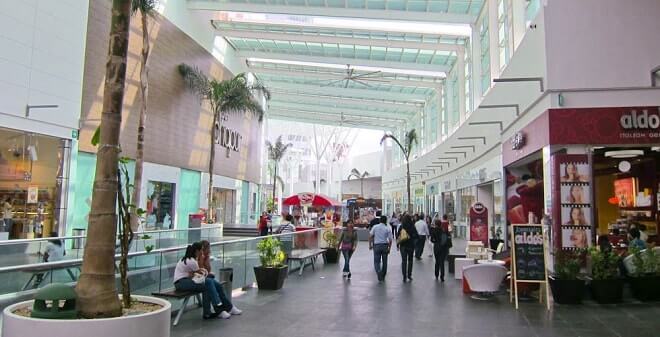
[[625, 191], [524, 192], [529, 253], [575, 200], [33, 195], [479, 223]]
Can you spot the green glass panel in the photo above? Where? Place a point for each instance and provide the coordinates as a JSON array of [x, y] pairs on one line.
[[245, 201], [187, 196]]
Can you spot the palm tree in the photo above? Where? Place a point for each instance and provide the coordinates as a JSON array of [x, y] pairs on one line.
[[96, 289], [355, 173], [409, 141], [147, 9], [232, 95], [276, 152]]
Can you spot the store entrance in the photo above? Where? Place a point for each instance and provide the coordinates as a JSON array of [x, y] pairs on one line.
[[626, 192], [224, 204]]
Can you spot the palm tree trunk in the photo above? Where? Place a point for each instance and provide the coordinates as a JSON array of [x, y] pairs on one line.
[[209, 212], [362, 187], [275, 204], [144, 93], [96, 289], [410, 208]]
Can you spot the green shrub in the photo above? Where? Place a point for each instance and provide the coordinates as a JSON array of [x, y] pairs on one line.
[[567, 265], [646, 262], [270, 252], [604, 264]]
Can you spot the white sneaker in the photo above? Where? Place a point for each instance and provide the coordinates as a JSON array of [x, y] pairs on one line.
[[235, 311], [224, 315]]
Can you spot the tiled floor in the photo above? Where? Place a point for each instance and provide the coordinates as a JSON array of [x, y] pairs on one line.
[[321, 303]]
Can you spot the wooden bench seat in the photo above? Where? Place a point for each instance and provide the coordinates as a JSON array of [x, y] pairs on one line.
[[304, 256], [185, 295]]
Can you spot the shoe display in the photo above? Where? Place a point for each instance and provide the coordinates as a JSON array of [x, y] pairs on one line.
[[235, 311]]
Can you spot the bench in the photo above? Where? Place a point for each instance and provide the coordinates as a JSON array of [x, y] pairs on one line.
[[40, 273], [304, 256], [179, 294]]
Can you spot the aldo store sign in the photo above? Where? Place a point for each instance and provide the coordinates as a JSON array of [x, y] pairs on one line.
[[607, 126]]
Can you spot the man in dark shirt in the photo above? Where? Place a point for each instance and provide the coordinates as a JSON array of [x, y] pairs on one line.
[[375, 220]]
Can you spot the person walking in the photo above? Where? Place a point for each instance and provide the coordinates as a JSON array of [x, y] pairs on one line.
[[263, 224], [441, 243], [380, 241], [423, 231], [405, 239], [347, 244], [394, 223]]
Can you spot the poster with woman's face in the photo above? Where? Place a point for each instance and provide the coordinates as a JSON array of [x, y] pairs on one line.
[[575, 194], [575, 216], [625, 191], [576, 237], [574, 172]]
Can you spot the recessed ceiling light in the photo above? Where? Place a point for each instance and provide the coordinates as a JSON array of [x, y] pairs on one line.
[[624, 153]]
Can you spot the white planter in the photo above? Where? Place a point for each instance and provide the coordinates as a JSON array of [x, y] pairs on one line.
[[153, 324]]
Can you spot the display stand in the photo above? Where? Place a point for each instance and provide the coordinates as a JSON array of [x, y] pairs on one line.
[[528, 264]]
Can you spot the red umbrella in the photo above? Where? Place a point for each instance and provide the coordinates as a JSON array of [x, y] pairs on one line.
[[310, 199]]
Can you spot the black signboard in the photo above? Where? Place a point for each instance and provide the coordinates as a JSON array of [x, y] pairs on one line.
[[528, 252]]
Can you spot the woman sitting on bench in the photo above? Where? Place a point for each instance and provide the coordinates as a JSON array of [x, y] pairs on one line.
[[204, 262], [188, 276]]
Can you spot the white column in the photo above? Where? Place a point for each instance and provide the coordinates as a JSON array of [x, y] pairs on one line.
[[493, 37], [460, 65], [440, 91], [476, 65], [518, 21]]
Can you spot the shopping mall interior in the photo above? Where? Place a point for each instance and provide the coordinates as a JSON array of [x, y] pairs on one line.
[[164, 163]]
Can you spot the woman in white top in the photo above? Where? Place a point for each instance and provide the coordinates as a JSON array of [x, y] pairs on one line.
[[184, 272]]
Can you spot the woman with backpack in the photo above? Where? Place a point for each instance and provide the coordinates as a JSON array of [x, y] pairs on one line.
[[406, 239], [441, 240]]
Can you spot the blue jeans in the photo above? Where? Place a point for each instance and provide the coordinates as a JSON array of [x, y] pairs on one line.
[[347, 253], [380, 254], [219, 293], [187, 284]]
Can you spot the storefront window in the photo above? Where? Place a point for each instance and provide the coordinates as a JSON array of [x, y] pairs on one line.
[[160, 204], [31, 181], [498, 220], [468, 197]]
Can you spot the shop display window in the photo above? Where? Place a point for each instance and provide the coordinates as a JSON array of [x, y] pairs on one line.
[[160, 205]]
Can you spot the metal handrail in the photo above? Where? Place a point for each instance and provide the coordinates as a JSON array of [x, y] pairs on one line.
[[75, 262], [27, 241]]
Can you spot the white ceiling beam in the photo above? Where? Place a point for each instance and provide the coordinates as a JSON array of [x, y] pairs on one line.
[[330, 77], [317, 121], [246, 34], [379, 14], [293, 96], [245, 54], [400, 116], [345, 92]]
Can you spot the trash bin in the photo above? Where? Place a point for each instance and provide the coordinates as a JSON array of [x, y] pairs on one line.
[[226, 275], [79, 243]]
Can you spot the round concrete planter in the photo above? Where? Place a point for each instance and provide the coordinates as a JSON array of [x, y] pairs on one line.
[[153, 324]]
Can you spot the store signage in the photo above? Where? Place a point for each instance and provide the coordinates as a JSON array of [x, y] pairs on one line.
[[528, 253], [228, 138], [640, 120], [518, 140]]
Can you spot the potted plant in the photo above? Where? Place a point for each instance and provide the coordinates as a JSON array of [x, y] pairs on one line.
[[645, 277], [272, 272], [566, 287], [606, 284], [331, 254]]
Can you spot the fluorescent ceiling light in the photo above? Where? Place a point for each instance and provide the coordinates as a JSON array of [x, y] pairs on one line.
[[440, 74], [624, 153], [436, 28]]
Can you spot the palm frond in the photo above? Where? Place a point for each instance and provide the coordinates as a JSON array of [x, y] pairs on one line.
[[146, 7], [195, 81], [410, 140], [277, 150]]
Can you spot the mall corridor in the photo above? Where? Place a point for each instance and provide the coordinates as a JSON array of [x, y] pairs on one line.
[[321, 303]]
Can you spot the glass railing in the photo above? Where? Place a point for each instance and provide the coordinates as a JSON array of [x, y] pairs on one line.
[[148, 271], [29, 251]]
